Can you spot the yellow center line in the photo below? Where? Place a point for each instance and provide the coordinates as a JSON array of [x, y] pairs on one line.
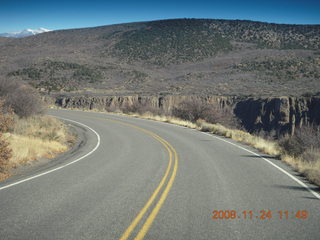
[[159, 204], [164, 194]]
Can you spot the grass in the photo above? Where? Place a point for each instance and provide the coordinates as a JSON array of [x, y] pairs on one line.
[[41, 126], [259, 143], [27, 148], [36, 137], [311, 170]]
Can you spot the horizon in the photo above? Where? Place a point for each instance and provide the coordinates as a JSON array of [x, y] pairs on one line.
[[153, 20], [81, 14]]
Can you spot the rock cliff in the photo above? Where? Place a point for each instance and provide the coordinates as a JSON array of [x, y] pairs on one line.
[[282, 114]]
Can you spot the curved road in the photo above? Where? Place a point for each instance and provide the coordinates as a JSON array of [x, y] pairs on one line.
[[146, 179]]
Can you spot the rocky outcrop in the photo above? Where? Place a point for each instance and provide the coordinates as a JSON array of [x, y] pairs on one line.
[[165, 103], [282, 114]]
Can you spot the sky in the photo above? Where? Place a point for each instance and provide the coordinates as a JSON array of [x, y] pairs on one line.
[[56, 14]]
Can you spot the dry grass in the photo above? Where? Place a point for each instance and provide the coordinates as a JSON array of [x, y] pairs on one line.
[[36, 137], [42, 127], [311, 170], [259, 143], [28, 148]]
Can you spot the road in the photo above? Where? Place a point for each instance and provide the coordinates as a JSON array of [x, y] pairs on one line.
[[142, 179]]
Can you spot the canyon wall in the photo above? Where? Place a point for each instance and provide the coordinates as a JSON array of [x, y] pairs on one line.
[[282, 114]]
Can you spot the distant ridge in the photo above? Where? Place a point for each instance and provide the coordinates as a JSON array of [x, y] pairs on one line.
[[177, 56], [24, 33]]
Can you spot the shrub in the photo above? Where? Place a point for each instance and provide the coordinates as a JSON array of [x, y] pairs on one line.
[[5, 153], [6, 122], [140, 108], [23, 100], [311, 155], [193, 110], [304, 138]]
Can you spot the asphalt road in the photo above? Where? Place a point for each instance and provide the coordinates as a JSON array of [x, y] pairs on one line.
[[146, 179]]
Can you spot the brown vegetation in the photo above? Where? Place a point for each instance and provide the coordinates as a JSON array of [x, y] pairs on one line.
[[193, 110], [140, 108], [25, 134], [302, 150], [6, 122], [35, 137], [23, 100]]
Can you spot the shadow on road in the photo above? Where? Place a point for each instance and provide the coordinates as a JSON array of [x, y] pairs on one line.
[[264, 156]]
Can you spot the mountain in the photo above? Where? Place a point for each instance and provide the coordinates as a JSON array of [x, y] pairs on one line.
[[170, 57], [24, 33]]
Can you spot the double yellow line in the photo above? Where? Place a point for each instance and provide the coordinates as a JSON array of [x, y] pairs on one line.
[[164, 184]]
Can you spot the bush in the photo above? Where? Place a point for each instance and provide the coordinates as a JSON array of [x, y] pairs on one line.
[[191, 110], [141, 108], [194, 110], [6, 122], [311, 155], [304, 138], [23, 100], [5, 153]]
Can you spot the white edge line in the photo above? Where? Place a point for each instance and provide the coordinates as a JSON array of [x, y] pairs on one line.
[[65, 165], [268, 161], [317, 195]]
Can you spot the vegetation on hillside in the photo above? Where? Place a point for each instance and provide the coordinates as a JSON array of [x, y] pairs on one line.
[[165, 42], [180, 56], [57, 75], [181, 40], [284, 69]]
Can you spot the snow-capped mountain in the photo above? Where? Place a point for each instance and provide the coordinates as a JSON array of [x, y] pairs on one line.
[[24, 33]]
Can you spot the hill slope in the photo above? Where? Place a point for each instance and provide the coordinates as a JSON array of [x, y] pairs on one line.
[[181, 56]]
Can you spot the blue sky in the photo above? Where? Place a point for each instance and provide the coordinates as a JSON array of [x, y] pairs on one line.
[[18, 15]]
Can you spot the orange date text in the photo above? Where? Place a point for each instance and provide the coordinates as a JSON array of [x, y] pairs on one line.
[[259, 214]]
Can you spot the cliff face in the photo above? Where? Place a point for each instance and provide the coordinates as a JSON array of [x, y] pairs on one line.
[[281, 114]]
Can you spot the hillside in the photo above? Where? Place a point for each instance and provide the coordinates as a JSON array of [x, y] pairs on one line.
[[182, 56]]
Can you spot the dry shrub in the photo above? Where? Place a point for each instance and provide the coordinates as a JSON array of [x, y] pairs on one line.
[[6, 122], [5, 153], [141, 108], [302, 151], [304, 138], [112, 108], [268, 135], [193, 110], [6, 117], [311, 155], [23, 99]]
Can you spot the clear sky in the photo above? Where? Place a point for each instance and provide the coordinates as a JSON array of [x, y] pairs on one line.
[[55, 14]]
